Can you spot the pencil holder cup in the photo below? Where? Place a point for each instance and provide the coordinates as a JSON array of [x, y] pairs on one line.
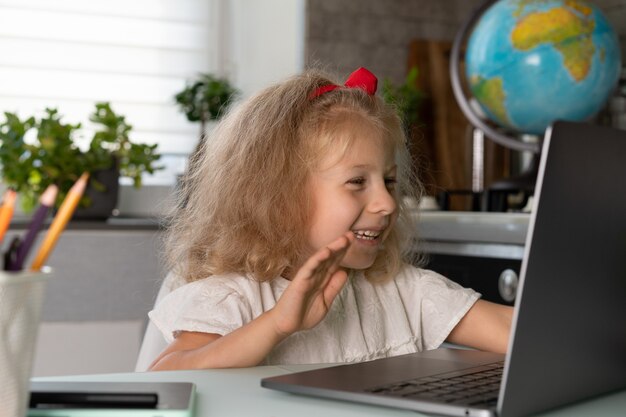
[[21, 298]]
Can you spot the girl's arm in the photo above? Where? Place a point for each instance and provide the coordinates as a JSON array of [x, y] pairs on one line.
[[486, 326], [246, 346], [303, 305]]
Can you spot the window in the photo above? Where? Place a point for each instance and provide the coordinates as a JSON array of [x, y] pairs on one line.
[[70, 54]]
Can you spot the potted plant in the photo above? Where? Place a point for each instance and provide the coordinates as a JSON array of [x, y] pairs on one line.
[[53, 156], [407, 98], [204, 99]]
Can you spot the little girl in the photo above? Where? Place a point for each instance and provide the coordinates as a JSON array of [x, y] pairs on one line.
[[293, 236]]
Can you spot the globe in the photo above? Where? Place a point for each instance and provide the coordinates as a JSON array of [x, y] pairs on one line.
[[529, 63]]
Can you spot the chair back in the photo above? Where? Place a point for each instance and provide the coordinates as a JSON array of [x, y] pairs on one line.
[[153, 341]]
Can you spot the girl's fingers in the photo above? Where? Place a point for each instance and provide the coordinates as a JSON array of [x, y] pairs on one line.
[[327, 258], [330, 265], [335, 284], [341, 242], [338, 249]]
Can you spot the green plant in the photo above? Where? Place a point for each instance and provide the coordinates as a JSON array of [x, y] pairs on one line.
[[205, 98], [407, 98], [53, 156]]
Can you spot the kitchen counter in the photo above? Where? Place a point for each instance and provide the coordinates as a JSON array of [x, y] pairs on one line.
[[112, 223], [506, 228]]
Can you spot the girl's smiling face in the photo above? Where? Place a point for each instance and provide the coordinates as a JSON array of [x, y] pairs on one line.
[[355, 192]]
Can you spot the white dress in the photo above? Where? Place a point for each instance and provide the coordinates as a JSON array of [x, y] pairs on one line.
[[413, 312]]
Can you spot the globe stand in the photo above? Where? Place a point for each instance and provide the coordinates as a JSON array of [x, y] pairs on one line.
[[497, 196], [493, 133]]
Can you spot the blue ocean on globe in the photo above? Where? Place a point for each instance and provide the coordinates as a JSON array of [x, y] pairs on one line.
[[529, 63]]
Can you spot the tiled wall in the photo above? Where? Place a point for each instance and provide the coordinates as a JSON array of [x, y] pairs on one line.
[[345, 34]]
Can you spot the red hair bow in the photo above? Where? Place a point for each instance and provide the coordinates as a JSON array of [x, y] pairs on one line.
[[361, 78]]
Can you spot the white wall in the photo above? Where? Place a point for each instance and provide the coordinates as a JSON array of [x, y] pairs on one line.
[[267, 42]]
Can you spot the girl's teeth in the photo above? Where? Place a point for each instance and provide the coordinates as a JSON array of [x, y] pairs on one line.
[[367, 235]]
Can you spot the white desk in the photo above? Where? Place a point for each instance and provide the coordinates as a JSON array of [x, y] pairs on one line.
[[237, 392]]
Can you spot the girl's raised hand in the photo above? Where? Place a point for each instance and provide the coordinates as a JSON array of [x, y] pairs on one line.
[[308, 298]]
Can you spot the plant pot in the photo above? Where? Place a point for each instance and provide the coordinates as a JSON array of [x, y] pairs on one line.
[[102, 202]]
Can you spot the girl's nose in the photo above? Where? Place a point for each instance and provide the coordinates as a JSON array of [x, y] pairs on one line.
[[383, 202]]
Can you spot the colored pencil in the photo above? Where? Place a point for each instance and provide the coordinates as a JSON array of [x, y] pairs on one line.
[[60, 220], [11, 254], [6, 211], [46, 201]]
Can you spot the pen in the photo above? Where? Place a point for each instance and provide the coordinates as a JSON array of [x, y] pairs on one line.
[[60, 220], [6, 211], [46, 201]]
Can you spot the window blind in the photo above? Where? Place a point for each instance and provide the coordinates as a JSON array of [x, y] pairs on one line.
[[70, 54]]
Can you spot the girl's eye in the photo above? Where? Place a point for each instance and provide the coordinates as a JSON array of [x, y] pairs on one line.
[[391, 182], [357, 181]]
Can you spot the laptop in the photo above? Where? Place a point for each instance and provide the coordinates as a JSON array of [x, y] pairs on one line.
[[568, 341]]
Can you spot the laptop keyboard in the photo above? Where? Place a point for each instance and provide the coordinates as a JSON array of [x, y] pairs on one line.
[[475, 386]]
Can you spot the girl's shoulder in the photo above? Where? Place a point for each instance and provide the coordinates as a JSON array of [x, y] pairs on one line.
[[413, 273], [410, 271], [412, 276], [233, 283], [220, 288], [410, 279]]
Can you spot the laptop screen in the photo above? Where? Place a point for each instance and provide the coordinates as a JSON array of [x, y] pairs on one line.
[[569, 338]]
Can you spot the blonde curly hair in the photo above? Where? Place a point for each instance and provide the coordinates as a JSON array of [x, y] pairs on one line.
[[244, 206]]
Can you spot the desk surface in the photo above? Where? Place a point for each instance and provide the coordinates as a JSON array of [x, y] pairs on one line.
[[237, 392]]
